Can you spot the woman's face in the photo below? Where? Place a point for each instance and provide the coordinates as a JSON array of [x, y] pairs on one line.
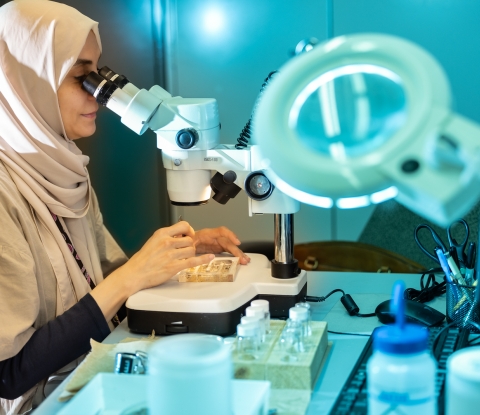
[[77, 107]]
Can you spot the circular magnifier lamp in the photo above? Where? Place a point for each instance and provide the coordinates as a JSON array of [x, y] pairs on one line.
[[361, 119]]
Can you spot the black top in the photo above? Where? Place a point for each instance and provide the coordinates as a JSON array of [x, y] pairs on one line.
[[53, 346]]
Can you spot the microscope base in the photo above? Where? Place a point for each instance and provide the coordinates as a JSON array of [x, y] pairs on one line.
[[213, 307]]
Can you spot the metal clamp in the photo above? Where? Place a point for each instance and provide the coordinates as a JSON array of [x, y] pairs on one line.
[[134, 363]]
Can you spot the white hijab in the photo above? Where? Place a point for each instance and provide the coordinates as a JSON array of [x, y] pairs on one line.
[[40, 41]]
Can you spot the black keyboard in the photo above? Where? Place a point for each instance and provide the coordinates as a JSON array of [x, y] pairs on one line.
[[353, 397]]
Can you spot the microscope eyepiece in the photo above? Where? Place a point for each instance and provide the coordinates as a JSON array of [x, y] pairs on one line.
[[101, 88], [110, 75], [106, 72]]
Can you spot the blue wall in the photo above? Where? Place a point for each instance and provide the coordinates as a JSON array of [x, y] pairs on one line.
[[256, 38], [449, 29]]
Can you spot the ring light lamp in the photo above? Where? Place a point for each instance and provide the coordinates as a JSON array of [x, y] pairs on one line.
[[360, 119]]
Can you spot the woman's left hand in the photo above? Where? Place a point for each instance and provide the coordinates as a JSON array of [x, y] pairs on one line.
[[218, 240]]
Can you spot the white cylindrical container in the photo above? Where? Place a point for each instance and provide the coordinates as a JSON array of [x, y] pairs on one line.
[[401, 372], [462, 388], [266, 308], [190, 374]]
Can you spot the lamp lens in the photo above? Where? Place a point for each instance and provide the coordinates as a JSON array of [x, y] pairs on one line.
[[349, 111]]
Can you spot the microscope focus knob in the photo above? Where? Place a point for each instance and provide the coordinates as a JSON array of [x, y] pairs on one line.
[[229, 177], [186, 138]]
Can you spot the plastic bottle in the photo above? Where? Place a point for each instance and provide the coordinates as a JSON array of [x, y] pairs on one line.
[[401, 371]]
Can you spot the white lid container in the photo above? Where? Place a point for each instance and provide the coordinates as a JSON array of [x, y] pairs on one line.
[[196, 363], [462, 388]]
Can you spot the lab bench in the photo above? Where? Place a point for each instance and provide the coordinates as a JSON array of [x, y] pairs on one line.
[[367, 289]]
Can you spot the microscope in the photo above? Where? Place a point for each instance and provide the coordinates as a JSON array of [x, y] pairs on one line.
[[196, 164]]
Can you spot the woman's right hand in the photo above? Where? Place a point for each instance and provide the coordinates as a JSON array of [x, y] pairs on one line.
[[167, 252]]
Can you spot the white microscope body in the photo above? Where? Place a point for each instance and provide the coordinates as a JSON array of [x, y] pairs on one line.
[[188, 133]]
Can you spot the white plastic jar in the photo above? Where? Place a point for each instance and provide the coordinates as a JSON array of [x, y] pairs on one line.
[[462, 394], [401, 372]]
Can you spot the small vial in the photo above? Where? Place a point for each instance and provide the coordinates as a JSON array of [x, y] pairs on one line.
[[291, 341], [266, 308], [256, 320], [255, 311], [307, 306], [247, 341], [302, 315]]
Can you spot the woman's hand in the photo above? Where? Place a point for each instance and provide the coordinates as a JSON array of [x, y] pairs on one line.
[[167, 252], [219, 240]]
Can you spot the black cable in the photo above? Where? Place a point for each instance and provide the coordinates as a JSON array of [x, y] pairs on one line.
[[245, 135], [321, 299], [346, 300], [471, 342], [474, 324], [437, 337], [429, 290]]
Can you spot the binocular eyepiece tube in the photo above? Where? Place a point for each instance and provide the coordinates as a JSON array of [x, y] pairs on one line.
[[116, 78], [135, 107], [101, 88]]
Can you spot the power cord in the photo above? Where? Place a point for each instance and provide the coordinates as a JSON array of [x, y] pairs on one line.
[[346, 300], [429, 290]]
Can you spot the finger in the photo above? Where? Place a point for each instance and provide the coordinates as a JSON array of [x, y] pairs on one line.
[[236, 251], [180, 242], [183, 253], [230, 235], [180, 228], [223, 231], [197, 260]]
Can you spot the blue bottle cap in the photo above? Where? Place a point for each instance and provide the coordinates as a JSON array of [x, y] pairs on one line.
[[400, 338], [411, 339]]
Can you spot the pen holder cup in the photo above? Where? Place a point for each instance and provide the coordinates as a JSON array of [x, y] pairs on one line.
[[462, 309]]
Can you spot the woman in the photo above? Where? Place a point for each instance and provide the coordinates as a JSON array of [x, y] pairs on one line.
[[54, 249]]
